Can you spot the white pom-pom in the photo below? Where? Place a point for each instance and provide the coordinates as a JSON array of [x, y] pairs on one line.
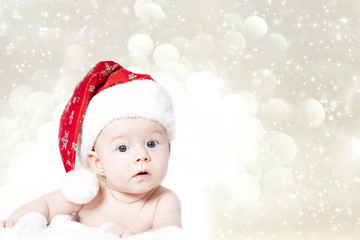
[[80, 186]]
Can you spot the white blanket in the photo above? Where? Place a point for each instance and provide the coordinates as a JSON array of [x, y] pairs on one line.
[[33, 226]]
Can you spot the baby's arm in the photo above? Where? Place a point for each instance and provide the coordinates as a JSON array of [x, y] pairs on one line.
[[168, 211], [49, 205]]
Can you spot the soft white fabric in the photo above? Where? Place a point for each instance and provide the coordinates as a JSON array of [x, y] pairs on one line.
[[33, 226]]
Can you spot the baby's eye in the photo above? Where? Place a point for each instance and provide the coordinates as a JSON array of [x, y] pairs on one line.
[[123, 148], [151, 144]]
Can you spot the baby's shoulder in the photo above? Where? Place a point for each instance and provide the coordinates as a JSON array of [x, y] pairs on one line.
[[163, 195], [162, 192]]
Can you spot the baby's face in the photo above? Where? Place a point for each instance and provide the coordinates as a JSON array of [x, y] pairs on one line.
[[134, 154]]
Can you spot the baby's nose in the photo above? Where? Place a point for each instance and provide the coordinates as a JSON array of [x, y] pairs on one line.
[[143, 156], [145, 159]]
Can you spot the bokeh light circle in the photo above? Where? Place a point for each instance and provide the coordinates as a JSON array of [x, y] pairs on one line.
[[64, 88], [202, 45], [140, 43], [311, 113], [181, 43], [181, 72], [166, 56], [40, 105], [253, 103], [139, 60], [233, 21], [255, 27], [277, 43], [148, 10], [276, 111], [40, 79], [233, 43], [18, 97], [263, 81], [283, 148]]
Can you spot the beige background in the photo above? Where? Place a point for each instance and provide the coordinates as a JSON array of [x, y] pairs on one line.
[[266, 95]]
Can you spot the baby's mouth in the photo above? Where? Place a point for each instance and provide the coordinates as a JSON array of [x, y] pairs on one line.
[[142, 173]]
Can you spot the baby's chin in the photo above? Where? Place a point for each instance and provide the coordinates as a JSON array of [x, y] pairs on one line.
[[144, 190]]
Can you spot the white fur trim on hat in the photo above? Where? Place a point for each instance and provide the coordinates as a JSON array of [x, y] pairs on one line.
[[80, 185], [138, 98]]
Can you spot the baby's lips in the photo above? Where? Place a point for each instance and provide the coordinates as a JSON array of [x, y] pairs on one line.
[[142, 172]]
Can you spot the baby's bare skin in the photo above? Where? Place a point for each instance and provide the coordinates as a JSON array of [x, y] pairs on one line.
[[134, 201], [157, 209], [153, 210]]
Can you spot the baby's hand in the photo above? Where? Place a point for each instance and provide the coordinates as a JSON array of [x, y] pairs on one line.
[[121, 232], [7, 223]]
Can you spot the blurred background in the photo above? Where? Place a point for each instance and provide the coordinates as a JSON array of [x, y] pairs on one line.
[[266, 93]]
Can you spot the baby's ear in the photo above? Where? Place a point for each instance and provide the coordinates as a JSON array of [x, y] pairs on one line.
[[95, 163]]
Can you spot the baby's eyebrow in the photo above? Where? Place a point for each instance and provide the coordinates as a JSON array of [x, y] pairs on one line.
[[158, 131], [115, 138]]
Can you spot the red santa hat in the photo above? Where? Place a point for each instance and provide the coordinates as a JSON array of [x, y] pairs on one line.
[[107, 92]]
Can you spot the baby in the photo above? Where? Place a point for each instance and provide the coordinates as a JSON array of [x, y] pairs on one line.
[[114, 139]]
